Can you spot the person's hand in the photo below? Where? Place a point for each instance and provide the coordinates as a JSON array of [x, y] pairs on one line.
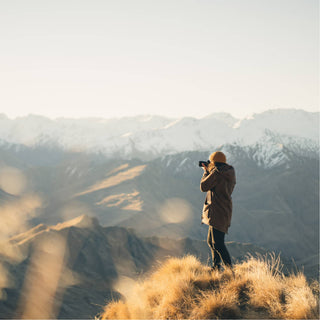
[[204, 168]]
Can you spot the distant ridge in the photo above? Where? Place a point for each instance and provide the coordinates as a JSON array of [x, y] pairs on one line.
[[153, 136], [82, 221]]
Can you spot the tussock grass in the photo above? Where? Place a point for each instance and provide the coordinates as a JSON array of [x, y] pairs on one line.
[[186, 289]]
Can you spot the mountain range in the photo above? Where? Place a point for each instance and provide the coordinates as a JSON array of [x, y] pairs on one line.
[[148, 137], [140, 178]]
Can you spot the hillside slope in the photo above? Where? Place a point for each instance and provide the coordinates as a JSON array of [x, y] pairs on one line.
[[70, 270]]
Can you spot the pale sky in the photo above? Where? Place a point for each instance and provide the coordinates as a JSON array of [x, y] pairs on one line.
[[114, 58]]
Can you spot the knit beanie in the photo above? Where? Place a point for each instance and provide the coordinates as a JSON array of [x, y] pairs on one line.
[[218, 156]]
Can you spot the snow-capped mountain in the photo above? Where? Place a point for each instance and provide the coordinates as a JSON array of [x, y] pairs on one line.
[[152, 136]]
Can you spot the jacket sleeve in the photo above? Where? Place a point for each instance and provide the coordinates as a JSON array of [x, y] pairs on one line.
[[208, 181]]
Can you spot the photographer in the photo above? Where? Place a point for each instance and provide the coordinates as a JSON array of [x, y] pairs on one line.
[[218, 181]]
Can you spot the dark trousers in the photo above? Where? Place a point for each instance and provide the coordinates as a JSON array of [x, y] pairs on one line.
[[218, 248]]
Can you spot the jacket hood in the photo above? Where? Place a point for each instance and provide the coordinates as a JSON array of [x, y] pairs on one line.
[[225, 169]]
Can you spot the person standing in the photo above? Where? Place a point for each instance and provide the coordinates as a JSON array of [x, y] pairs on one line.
[[218, 181]]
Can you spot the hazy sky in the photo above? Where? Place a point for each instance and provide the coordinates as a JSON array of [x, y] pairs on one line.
[[113, 58]]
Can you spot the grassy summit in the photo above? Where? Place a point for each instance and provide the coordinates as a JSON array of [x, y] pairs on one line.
[[186, 289]]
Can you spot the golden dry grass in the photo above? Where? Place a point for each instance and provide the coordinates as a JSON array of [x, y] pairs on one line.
[[186, 289], [129, 201], [114, 180]]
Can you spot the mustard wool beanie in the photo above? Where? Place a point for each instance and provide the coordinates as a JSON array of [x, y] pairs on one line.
[[218, 156]]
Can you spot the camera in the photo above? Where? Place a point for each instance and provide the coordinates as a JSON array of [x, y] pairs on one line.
[[205, 163]]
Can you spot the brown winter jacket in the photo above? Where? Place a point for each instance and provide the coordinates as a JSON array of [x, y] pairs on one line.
[[218, 184]]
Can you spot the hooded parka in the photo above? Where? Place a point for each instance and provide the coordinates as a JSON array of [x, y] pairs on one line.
[[219, 185]]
